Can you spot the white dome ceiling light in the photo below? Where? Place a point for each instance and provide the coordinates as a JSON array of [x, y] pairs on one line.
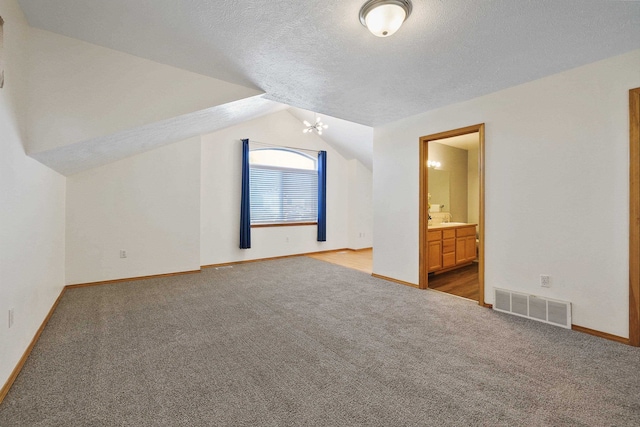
[[384, 17]]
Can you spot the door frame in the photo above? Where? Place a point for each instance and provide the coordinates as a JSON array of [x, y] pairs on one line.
[[424, 200], [634, 217]]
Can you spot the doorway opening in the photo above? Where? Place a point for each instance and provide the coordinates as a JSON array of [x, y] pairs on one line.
[[452, 212]]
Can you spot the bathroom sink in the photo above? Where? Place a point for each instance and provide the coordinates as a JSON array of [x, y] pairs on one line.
[[448, 224]]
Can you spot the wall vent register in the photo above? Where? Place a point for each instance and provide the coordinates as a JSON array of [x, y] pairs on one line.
[[546, 310]]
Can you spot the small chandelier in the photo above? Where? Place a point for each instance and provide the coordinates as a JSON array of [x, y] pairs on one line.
[[317, 126], [433, 164], [384, 17]]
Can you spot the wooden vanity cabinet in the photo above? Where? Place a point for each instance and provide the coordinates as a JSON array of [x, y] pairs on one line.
[[451, 247], [448, 248], [434, 240], [465, 245]]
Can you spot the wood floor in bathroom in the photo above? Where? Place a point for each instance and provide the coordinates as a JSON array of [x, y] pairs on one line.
[[462, 282]]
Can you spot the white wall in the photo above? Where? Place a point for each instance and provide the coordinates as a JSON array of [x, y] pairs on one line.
[[31, 210], [557, 188], [360, 205], [80, 91], [221, 174], [148, 205]]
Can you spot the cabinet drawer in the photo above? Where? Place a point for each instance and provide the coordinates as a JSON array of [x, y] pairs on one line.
[[466, 231], [448, 245], [434, 235], [448, 234]]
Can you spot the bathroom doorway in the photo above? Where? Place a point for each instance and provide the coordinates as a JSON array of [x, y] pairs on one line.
[[452, 212]]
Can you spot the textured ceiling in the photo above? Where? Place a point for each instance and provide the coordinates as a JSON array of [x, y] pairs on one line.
[[74, 158], [351, 140], [316, 55]]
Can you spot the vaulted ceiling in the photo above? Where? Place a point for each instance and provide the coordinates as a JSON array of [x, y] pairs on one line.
[[315, 55]]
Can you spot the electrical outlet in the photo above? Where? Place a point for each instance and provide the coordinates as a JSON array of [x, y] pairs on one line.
[[545, 281], [10, 317], [123, 253], [286, 239]]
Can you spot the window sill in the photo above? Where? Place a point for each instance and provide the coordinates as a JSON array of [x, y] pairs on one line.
[[283, 224]]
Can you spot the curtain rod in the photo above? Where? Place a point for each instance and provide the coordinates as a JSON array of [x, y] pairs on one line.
[[251, 141]]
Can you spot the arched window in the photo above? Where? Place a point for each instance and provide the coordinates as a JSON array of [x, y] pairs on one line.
[[284, 186]]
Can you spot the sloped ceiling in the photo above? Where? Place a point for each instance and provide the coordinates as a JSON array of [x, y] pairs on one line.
[[74, 158], [351, 140], [316, 55]]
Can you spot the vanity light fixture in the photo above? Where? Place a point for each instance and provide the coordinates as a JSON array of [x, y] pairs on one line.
[[317, 126], [384, 17], [433, 164]]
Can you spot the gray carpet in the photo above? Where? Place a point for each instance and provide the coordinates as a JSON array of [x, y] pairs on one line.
[[300, 342]]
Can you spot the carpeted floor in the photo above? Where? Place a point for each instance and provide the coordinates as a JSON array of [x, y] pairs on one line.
[[300, 342]]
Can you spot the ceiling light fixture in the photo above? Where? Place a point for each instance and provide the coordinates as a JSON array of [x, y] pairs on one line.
[[384, 17], [317, 126]]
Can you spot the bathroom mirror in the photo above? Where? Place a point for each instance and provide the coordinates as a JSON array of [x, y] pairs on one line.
[[439, 189]]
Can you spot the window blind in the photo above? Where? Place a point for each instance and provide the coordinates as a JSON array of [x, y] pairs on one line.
[[283, 195]]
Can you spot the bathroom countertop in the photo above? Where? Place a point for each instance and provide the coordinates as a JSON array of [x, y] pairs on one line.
[[449, 225]]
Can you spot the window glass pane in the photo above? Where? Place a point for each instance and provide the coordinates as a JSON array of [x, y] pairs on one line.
[[281, 194], [281, 158], [299, 196], [266, 195]]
